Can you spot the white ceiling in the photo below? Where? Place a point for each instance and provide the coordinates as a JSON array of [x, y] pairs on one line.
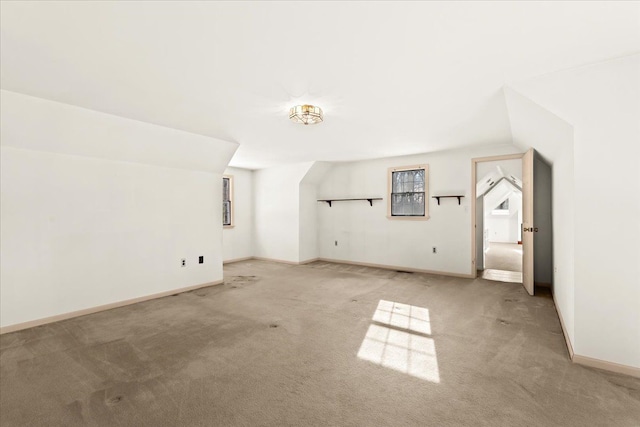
[[392, 78]]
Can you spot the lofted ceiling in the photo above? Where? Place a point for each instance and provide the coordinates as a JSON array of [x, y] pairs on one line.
[[392, 78], [503, 190], [496, 175]]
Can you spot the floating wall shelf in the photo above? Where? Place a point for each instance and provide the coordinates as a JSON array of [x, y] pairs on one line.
[[442, 197], [368, 199]]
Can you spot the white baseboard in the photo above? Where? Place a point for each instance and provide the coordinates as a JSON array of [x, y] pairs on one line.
[[564, 328], [363, 264], [282, 261], [398, 268], [91, 310], [607, 366], [230, 261], [589, 361]]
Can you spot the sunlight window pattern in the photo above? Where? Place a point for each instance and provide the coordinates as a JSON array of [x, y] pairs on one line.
[[404, 316], [399, 339]]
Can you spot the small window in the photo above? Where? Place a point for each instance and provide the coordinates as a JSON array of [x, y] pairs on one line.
[[502, 208], [409, 192], [227, 200]]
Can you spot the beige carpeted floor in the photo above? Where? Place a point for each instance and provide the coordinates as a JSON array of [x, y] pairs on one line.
[[501, 276], [503, 256], [315, 345]]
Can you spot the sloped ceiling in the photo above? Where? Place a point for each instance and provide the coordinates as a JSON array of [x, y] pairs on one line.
[[499, 193], [392, 78], [496, 175]]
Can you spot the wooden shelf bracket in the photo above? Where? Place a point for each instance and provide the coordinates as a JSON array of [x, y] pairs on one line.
[[442, 197], [368, 199]]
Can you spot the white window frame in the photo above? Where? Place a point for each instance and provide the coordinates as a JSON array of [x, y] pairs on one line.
[[426, 193], [232, 207]]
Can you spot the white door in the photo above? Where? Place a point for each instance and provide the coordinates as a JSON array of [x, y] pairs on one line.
[[527, 221]]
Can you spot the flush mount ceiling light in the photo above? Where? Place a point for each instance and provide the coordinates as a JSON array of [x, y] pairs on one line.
[[306, 114]]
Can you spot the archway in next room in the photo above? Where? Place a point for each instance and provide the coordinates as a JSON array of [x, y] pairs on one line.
[[499, 220]]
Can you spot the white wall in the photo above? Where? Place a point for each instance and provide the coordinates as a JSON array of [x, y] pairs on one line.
[[277, 211], [504, 228], [85, 222], [498, 228], [308, 228], [534, 126], [309, 249], [364, 233], [602, 102], [237, 241]]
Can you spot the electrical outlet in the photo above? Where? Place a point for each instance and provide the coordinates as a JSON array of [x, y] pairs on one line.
[[200, 259], [434, 250], [183, 262]]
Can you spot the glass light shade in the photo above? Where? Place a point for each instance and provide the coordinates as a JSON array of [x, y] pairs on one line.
[[306, 114]]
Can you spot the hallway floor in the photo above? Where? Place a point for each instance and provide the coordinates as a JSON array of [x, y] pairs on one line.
[[503, 263], [503, 256]]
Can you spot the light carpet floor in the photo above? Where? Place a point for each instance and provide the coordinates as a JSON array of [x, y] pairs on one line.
[[503, 256], [502, 276], [315, 345]]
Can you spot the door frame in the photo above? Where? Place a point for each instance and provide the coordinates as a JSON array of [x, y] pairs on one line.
[[474, 163]]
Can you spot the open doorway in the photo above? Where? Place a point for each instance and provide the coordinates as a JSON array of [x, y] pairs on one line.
[[532, 175], [502, 231], [499, 219]]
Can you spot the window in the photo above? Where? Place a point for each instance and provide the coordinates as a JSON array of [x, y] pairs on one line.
[[502, 208], [409, 191], [227, 200]]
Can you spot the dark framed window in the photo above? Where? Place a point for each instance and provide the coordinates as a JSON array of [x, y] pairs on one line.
[[409, 192], [227, 200]]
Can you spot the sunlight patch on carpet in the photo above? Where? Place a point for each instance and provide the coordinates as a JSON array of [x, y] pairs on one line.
[[398, 339], [403, 316]]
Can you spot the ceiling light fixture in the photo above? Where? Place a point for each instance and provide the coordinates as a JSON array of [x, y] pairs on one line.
[[306, 114]]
